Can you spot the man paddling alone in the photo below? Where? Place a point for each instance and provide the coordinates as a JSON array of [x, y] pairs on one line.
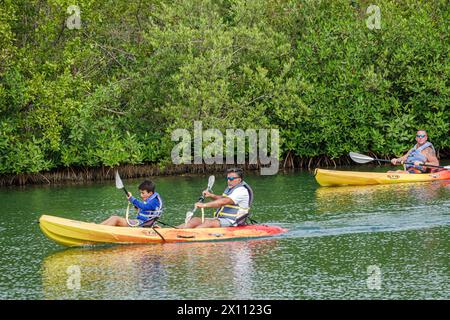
[[420, 155], [232, 206]]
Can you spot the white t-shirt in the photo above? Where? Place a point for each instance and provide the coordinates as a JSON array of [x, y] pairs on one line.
[[240, 197]]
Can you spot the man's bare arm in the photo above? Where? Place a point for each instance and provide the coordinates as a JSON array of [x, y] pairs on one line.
[[431, 157], [402, 159], [216, 203]]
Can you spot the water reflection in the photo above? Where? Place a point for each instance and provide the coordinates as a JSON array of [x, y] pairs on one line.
[[334, 235], [223, 270], [379, 208], [330, 199]]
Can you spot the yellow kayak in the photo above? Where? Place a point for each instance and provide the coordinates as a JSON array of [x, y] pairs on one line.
[[77, 233], [328, 178]]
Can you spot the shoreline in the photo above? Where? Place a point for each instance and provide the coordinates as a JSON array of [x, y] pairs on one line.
[[94, 174]]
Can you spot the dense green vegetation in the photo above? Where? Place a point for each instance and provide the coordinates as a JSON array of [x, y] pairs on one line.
[[112, 91]]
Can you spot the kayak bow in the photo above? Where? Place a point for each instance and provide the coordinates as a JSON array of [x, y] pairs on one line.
[[328, 178], [77, 233]]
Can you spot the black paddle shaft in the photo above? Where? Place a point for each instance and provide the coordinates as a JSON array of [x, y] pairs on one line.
[[126, 193], [411, 163], [202, 197]]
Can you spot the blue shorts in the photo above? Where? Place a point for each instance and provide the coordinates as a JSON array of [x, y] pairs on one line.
[[135, 222], [225, 222], [415, 170], [140, 223]]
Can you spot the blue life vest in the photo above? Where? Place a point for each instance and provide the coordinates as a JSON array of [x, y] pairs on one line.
[[234, 212], [415, 155], [146, 215]]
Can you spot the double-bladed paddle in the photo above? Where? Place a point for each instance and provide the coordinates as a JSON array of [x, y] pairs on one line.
[[361, 158], [189, 214], [119, 183]]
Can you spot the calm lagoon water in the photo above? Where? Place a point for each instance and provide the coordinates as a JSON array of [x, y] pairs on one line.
[[374, 242]]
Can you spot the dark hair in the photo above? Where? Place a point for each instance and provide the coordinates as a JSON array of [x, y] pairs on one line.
[[147, 185], [238, 171]]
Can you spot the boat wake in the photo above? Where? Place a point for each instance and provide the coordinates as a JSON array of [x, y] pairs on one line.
[[323, 231], [366, 223]]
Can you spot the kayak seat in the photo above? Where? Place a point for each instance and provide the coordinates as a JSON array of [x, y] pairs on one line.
[[149, 223], [242, 220], [434, 170]]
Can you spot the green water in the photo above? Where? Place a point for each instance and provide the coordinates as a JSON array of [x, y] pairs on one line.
[[379, 242]]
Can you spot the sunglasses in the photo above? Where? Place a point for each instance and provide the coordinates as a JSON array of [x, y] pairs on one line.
[[421, 135], [232, 178]]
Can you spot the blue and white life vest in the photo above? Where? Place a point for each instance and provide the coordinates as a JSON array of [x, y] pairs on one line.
[[145, 215], [416, 155], [234, 212]]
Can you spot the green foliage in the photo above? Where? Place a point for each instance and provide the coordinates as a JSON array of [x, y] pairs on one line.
[[112, 92]]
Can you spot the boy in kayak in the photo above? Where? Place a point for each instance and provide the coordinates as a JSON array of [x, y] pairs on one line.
[[148, 210], [232, 206], [420, 155]]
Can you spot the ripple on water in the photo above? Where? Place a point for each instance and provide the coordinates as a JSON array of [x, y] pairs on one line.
[[334, 235]]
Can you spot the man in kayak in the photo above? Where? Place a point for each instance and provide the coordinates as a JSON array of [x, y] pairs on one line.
[[148, 210], [232, 206], [419, 156]]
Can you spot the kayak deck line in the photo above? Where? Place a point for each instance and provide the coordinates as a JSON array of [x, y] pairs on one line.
[[328, 178], [78, 233]]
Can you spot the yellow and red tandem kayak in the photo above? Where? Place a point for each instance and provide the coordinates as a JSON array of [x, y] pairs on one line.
[[77, 233], [328, 178]]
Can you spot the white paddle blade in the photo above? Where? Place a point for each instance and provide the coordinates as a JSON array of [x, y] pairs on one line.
[[119, 183], [360, 158], [211, 181], [189, 215]]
